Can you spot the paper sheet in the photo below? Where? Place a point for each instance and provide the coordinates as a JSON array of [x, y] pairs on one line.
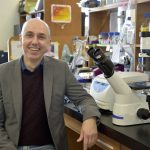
[[16, 50]]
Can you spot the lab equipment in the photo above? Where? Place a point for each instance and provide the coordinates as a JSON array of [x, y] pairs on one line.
[[129, 107], [103, 93]]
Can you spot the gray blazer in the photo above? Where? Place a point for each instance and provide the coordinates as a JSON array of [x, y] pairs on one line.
[[58, 81]]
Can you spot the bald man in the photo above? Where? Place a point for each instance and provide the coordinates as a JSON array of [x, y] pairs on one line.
[[32, 91]]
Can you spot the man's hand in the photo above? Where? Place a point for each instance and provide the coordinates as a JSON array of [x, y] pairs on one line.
[[88, 133]]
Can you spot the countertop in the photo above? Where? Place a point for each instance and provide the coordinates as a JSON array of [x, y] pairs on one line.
[[136, 137]]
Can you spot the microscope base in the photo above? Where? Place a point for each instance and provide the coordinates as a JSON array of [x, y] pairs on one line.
[[105, 105], [126, 114]]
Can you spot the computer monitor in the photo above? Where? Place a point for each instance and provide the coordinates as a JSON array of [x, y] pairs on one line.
[[3, 57]]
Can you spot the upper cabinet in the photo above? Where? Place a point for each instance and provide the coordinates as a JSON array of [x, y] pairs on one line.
[[143, 7], [31, 9], [100, 16], [39, 13], [101, 21]]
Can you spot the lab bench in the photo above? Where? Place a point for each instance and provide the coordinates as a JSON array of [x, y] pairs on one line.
[[111, 137]]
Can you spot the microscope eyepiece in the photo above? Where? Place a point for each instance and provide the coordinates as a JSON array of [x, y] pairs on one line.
[[91, 52], [102, 61], [96, 54]]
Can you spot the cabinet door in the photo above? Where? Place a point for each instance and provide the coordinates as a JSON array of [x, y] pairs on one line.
[[73, 145], [99, 22], [73, 131], [107, 143], [122, 147], [100, 145]]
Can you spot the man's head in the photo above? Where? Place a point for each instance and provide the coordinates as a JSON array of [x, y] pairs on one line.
[[35, 39]]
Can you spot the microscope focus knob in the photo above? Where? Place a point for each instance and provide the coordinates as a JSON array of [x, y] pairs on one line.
[[143, 113]]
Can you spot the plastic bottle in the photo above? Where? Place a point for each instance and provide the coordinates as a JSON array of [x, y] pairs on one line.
[[104, 36], [128, 32], [145, 26], [131, 33], [124, 30], [139, 67], [110, 37], [116, 37], [100, 39], [148, 20]]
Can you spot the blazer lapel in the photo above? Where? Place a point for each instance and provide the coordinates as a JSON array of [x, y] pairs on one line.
[[17, 91], [48, 82], [17, 87]]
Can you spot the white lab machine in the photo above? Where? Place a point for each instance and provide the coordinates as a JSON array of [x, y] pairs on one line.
[[103, 93], [128, 105]]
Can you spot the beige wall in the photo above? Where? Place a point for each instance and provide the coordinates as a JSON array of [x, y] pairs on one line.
[[8, 18]]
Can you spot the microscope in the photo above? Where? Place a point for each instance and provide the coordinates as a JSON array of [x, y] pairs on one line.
[[129, 108]]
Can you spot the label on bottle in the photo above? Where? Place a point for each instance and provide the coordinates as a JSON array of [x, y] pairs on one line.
[[144, 28]]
